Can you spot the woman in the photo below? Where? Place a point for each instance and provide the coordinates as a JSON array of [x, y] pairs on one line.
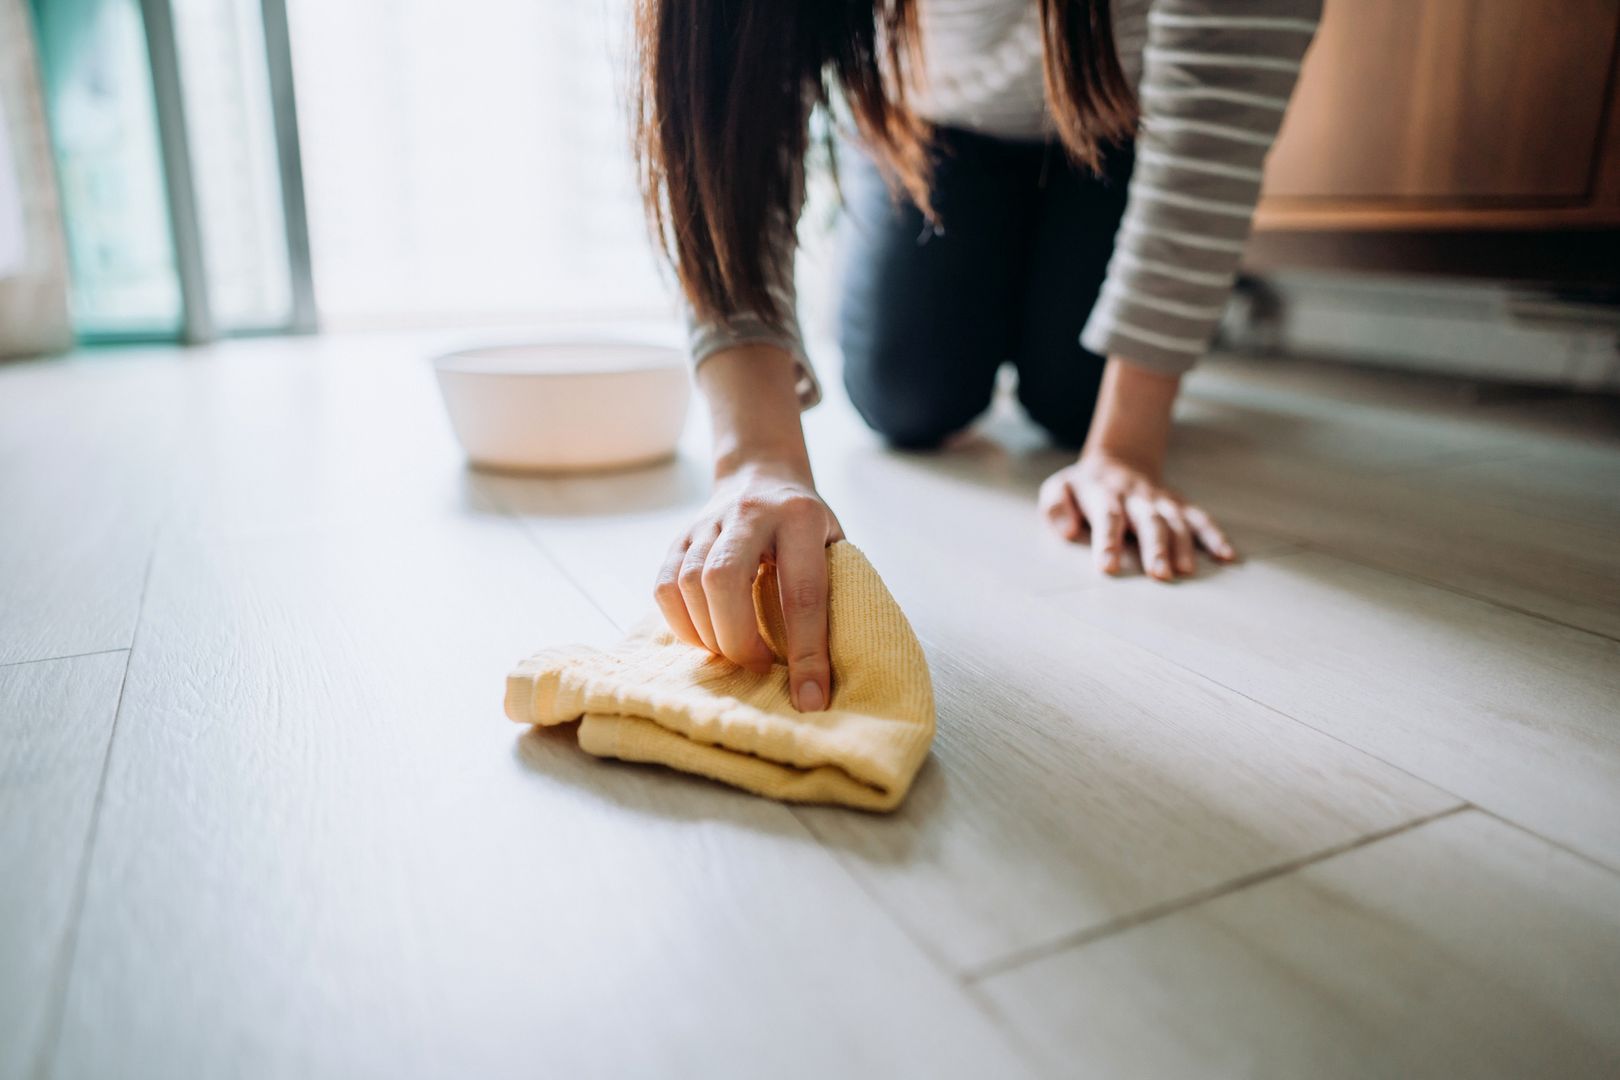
[[1072, 184]]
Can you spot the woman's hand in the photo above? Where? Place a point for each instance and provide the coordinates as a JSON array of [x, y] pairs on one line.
[[764, 510], [1105, 497], [1116, 487], [760, 514]]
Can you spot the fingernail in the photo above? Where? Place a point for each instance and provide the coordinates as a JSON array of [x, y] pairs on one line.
[[809, 697]]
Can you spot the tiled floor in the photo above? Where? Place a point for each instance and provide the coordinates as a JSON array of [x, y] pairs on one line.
[[1350, 808]]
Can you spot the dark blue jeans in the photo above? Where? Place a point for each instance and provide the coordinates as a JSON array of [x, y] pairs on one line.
[[927, 318]]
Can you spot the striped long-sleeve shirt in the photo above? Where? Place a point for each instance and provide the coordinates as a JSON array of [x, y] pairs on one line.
[[1212, 78]]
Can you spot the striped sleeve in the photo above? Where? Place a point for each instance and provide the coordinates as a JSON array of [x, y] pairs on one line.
[[1216, 77], [707, 337]]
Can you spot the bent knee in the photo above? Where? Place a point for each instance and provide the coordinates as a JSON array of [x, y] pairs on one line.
[[911, 396], [1061, 407], [916, 413], [1066, 424]]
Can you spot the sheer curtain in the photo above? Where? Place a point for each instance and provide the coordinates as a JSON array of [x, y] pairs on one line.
[[469, 162], [233, 160], [33, 252], [104, 135]]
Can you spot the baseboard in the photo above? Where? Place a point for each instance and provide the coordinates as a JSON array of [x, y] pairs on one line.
[[1475, 330]]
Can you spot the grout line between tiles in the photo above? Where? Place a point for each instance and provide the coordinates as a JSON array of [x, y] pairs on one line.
[[69, 656], [1153, 913], [1519, 826], [1305, 547], [1457, 590], [1197, 673], [68, 953], [934, 958], [1459, 459], [539, 545]]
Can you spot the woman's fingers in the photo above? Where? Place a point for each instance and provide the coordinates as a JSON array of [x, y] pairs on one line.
[[1059, 507], [690, 579], [1209, 534], [1152, 536], [1182, 547], [706, 584], [801, 577], [1105, 512], [667, 594], [1113, 496], [728, 584]]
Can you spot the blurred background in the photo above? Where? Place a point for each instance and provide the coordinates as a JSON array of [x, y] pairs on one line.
[[438, 164], [1446, 194]]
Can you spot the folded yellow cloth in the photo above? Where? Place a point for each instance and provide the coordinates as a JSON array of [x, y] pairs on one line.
[[658, 699]]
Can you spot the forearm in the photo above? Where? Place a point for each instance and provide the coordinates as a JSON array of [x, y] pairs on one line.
[[1133, 416], [754, 410]]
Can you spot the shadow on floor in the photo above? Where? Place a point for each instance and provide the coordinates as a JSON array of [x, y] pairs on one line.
[[667, 794], [648, 790], [660, 486]]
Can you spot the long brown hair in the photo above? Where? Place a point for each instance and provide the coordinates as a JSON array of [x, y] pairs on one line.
[[722, 109]]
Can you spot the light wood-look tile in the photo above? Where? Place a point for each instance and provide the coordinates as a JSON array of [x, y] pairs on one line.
[[1567, 483], [1415, 525], [278, 435], [977, 500], [1511, 496], [56, 717], [1076, 780], [1464, 947], [1512, 712], [323, 851], [1097, 783], [610, 530], [1511, 412], [86, 446], [1233, 412]]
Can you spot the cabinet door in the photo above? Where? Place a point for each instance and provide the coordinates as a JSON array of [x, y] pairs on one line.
[[1449, 99]]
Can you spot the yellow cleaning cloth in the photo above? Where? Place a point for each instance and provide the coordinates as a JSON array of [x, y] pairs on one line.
[[658, 699]]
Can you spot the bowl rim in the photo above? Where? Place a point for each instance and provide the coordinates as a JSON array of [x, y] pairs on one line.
[[653, 353]]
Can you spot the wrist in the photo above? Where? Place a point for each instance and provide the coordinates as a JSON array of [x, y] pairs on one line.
[[753, 402], [780, 462], [1143, 454], [1133, 418]]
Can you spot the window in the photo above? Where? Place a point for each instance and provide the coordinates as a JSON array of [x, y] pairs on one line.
[[470, 162], [98, 87], [226, 82]]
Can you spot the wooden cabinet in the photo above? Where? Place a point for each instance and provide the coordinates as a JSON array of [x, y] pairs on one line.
[[1452, 115]]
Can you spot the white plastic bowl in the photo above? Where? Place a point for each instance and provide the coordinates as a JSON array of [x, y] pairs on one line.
[[566, 405]]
